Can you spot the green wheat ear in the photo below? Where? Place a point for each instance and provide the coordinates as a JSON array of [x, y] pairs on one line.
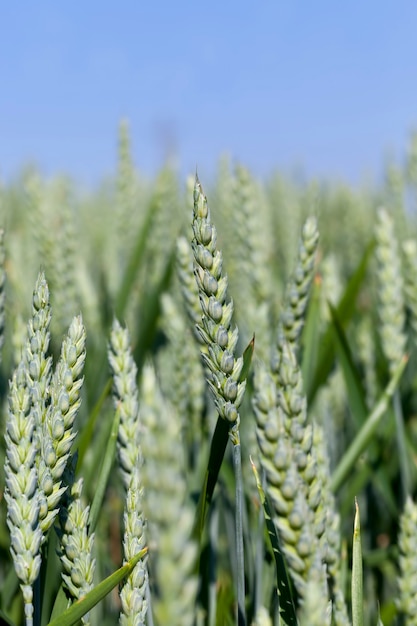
[[215, 326], [65, 401], [295, 465], [407, 543], [291, 513], [125, 187], [21, 493], [391, 311], [126, 401], [390, 291], [314, 610], [30, 488], [38, 367], [224, 370], [249, 250], [297, 291], [76, 545], [39, 435], [133, 592]]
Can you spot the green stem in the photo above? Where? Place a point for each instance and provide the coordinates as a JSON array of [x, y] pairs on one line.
[[259, 560], [37, 602], [240, 561], [213, 543], [402, 448]]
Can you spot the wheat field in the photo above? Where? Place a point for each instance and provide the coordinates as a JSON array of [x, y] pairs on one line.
[[208, 399]]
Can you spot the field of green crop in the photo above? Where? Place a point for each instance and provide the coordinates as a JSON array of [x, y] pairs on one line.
[[208, 399]]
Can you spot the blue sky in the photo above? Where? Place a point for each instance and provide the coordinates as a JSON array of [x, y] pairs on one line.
[[328, 85]]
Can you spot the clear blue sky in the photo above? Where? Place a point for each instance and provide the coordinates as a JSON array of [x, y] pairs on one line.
[[326, 84]]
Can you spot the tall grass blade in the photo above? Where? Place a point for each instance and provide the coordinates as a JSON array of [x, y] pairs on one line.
[[9, 589], [103, 478], [247, 359], [311, 338], [51, 582], [81, 607], [95, 456], [135, 260], [352, 378], [367, 431], [217, 450], [6, 620], [150, 312], [61, 603], [345, 310], [87, 433], [357, 404]]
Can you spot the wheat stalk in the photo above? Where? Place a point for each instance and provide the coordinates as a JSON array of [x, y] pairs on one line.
[[125, 395]]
